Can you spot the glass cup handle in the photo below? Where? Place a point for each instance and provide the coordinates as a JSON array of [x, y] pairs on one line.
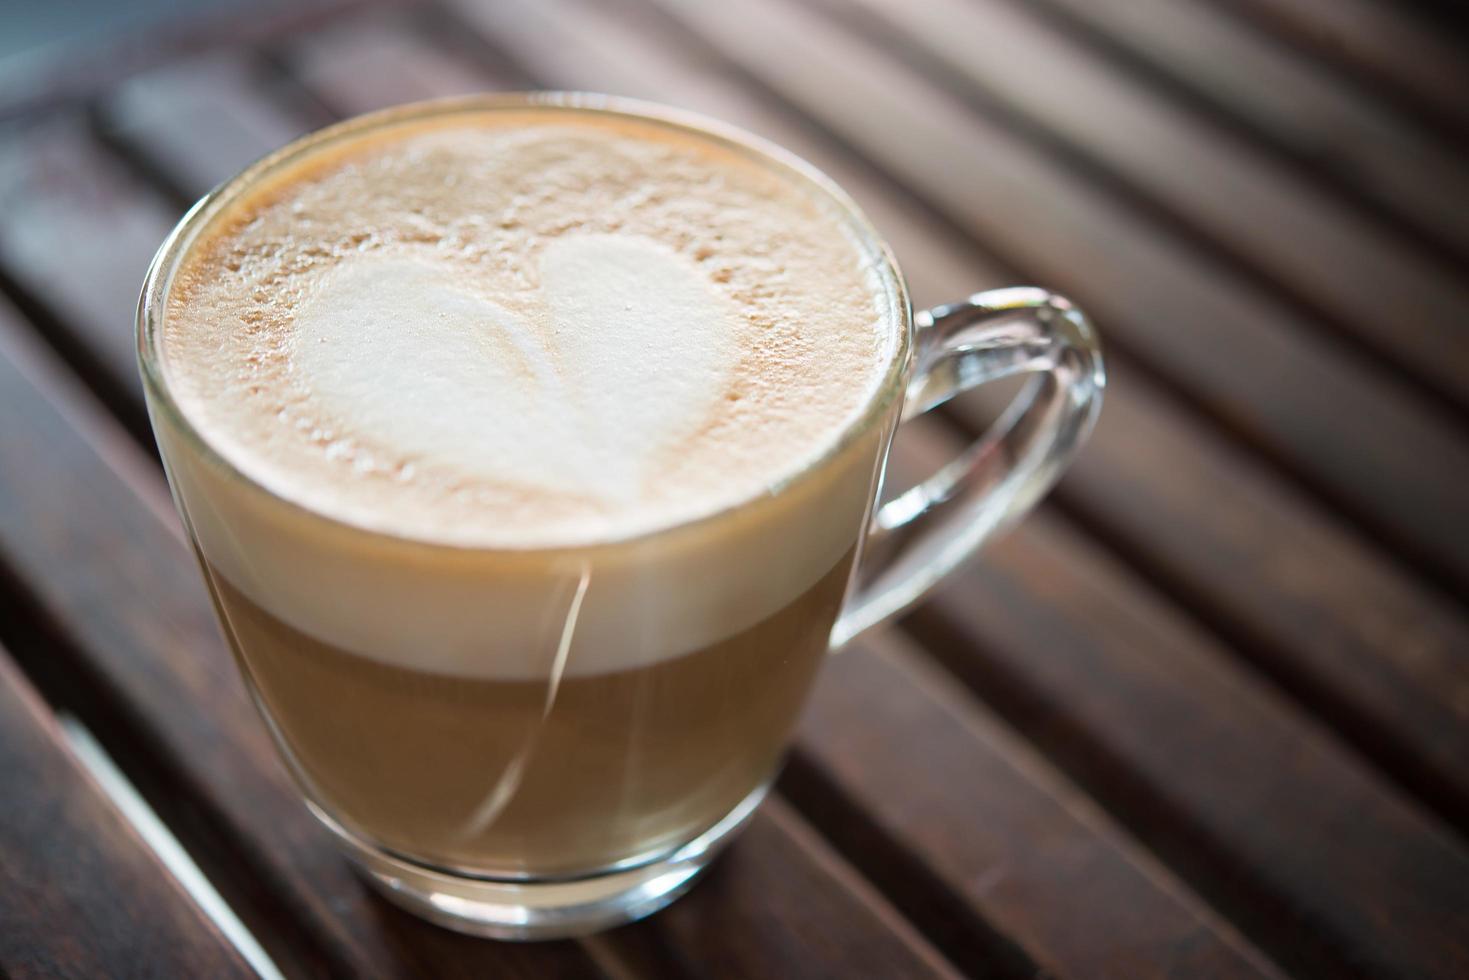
[[920, 536]]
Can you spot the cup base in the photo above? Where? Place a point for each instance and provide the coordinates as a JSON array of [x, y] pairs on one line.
[[528, 910]]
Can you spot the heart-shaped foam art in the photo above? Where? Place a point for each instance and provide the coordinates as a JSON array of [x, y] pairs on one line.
[[633, 348]]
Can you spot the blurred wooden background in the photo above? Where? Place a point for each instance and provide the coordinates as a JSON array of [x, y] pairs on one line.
[[1205, 714]]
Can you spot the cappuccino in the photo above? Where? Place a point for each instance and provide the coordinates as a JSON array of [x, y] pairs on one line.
[[481, 422]]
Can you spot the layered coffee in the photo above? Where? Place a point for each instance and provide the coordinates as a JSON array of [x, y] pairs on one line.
[[480, 423]]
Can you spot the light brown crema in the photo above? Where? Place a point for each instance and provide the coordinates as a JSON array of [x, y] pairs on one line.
[[520, 328]]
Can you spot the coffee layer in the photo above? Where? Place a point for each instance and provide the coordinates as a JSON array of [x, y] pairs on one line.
[[525, 329], [530, 775]]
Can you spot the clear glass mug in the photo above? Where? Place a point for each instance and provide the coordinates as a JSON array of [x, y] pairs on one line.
[[504, 784]]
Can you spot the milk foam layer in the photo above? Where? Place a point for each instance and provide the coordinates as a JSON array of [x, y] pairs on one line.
[[526, 331], [517, 343]]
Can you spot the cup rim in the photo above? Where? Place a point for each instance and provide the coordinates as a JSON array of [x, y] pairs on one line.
[[157, 284]]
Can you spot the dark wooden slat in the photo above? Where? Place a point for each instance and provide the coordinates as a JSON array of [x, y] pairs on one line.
[[1357, 635], [80, 894], [1227, 345], [123, 631], [195, 121], [375, 63], [902, 746], [1274, 222], [76, 238], [1353, 136], [1376, 45]]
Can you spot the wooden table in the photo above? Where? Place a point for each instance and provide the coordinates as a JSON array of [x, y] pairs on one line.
[[1205, 714]]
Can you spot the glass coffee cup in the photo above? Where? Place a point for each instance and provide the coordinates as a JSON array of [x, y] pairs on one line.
[[536, 741]]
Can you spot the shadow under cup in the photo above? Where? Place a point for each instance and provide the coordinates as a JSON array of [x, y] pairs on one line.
[[529, 743]]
